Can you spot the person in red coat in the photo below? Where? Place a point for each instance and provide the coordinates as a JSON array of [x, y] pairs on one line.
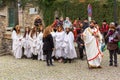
[[104, 29]]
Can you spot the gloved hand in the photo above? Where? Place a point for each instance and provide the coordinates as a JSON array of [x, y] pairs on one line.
[[112, 40], [110, 32]]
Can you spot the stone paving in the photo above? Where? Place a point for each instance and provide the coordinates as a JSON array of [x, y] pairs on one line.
[[27, 69]]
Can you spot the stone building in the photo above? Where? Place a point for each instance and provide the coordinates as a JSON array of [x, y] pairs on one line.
[[8, 20]]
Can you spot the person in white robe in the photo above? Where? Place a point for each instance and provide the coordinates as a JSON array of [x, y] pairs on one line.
[[40, 45], [17, 42], [54, 40], [67, 23], [33, 42], [68, 45], [53, 33], [59, 42], [26, 43], [14, 36], [92, 38]]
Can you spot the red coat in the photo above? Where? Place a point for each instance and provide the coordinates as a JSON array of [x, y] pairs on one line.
[[104, 28], [75, 31]]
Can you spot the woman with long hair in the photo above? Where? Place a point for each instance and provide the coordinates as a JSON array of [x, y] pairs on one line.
[[48, 46], [59, 42], [26, 45], [40, 44], [17, 42], [33, 42], [13, 36]]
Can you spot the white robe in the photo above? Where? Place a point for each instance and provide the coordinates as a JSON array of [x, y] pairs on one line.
[[17, 45], [14, 36], [66, 24], [58, 45], [93, 52], [40, 47], [54, 40], [68, 45], [26, 45], [33, 44]]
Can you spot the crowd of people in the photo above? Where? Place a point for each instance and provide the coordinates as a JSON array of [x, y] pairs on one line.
[[57, 41]]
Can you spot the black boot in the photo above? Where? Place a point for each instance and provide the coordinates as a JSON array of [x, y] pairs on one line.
[[111, 64], [70, 60], [33, 57], [65, 60]]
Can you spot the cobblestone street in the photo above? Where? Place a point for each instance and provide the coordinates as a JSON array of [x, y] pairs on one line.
[[27, 69]]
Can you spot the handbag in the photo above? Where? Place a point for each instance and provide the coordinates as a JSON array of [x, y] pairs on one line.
[[103, 47]]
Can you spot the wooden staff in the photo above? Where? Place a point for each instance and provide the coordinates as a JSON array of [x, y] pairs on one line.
[[82, 37]]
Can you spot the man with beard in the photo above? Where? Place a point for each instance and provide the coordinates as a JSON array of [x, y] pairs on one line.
[[92, 37]]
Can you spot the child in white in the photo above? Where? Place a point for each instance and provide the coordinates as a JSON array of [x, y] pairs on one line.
[[69, 49], [17, 42], [40, 45], [33, 42], [26, 43], [59, 42]]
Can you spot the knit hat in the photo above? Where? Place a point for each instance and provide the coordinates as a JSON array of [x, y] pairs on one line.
[[112, 25]]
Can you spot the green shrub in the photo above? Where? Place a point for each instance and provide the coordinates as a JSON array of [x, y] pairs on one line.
[[75, 10]]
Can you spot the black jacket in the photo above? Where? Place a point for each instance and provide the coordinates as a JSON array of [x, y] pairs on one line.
[[80, 41], [48, 43]]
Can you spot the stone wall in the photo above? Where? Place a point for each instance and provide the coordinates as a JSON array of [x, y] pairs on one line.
[[26, 18], [3, 25], [4, 17], [7, 44]]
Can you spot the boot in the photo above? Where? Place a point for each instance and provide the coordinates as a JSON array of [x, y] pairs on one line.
[[65, 60], [70, 60], [111, 64]]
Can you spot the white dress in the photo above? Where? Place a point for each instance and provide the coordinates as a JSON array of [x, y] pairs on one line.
[[58, 45], [54, 40], [68, 45], [40, 47], [14, 36], [26, 45], [33, 44], [17, 45]]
